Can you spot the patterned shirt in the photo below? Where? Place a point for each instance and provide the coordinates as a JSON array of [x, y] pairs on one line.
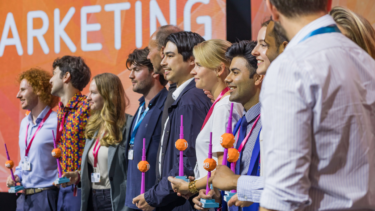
[[72, 138]]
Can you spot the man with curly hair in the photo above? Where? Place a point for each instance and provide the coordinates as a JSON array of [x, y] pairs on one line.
[[37, 169], [70, 76]]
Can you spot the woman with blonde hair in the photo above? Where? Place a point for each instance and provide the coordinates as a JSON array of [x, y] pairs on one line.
[[102, 176], [211, 69], [356, 28]]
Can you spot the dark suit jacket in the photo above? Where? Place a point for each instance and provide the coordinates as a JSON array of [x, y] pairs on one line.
[[116, 171], [193, 104]]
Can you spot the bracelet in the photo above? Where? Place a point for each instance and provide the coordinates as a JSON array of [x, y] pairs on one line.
[[192, 188]]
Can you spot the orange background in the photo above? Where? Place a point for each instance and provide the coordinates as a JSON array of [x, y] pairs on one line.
[[108, 59]]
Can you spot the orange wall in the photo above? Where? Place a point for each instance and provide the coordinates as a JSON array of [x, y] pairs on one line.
[[108, 54]]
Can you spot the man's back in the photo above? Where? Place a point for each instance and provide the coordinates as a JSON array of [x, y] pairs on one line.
[[318, 107]]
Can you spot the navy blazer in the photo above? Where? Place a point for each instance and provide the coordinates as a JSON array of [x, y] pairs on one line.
[[149, 128], [193, 104]]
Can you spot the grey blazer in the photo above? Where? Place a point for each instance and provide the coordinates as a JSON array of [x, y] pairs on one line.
[[117, 168]]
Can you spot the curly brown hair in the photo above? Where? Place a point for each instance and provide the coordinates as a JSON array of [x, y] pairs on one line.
[[39, 81]]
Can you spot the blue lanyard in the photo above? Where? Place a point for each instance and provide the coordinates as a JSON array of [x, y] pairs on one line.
[[138, 122], [323, 30]]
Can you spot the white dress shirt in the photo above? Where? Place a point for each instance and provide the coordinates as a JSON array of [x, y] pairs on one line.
[[175, 95], [318, 110]]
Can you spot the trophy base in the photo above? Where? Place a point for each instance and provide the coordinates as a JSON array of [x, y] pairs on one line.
[[61, 180], [229, 196], [209, 203], [183, 178], [15, 189]]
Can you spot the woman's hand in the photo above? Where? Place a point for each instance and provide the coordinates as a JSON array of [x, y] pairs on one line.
[[179, 185], [72, 176]]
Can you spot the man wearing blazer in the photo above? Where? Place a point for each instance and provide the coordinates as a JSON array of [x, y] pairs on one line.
[[146, 123]]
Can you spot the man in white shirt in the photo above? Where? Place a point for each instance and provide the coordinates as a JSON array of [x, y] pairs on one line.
[[318, 110]]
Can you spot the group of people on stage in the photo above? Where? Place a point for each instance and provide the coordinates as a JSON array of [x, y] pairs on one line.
[[303, 118]]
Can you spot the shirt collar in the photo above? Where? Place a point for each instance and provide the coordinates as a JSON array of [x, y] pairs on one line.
[[181, 88], [325, 20], [153, 101], [252, 113], [40, 116]]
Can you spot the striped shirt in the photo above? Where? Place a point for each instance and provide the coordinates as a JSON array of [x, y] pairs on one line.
[[318, 110]]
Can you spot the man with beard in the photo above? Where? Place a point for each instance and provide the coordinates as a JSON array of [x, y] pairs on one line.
[[37, 169], [146, 122], [318, 110]]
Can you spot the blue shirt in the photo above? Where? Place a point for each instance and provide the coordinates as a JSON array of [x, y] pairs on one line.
[[149, 128], [43, 166]]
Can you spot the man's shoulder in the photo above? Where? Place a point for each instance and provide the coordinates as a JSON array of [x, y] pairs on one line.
[[194, 95]]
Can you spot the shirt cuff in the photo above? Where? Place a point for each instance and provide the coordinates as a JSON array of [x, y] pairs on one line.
[[272, 201], [247, 186]]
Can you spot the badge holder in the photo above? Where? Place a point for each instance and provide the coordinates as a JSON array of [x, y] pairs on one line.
[[209, 164], [9, 164], [181, 144], [56, 152], [143, 166]]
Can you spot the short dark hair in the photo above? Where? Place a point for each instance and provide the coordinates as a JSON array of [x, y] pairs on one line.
[[163, 32], [243, 49], [293, 8], [139, 58], [80, 73], [185, 42]]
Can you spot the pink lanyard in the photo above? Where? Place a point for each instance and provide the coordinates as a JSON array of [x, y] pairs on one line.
[[95, 152], [213, 105], [37, 130], [248, 135]]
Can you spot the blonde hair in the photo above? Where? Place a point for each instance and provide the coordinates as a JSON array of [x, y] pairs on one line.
[[111, 118], [211, 53], [358, 29]]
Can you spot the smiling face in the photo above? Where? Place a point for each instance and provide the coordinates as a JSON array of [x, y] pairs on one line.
[[94, 98], [205, 78], [175, 68], [141, 78], [26, 95], [242, 87], [260, 52], [57, 82]]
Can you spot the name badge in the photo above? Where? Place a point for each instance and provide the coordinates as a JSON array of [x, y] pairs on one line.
[[95, 177], [26, 166], [131, 153]]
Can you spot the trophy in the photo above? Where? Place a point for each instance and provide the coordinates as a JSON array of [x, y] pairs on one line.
[[56, 152], [143, 166], [9, 164], [181, 144], [209, 164], [233, 156]]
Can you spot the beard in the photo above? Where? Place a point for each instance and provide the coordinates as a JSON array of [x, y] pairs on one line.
[[280, 30]]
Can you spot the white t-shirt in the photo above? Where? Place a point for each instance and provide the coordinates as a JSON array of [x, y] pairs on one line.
[[217, 124]]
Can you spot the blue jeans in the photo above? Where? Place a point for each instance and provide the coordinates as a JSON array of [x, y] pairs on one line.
[[67, 201], [100, 200], [45, 200]]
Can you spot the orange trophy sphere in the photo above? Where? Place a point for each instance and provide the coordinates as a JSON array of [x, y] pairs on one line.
[[209, 164], [227, 140], [9, 164], [56, 153], [233, 155], [143, 166], [181, 144]]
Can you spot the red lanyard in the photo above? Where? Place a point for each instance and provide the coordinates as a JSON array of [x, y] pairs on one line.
[[248, 135], [213, 105], [37, 130], [95, 151]]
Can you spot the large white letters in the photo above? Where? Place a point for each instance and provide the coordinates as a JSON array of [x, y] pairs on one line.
[[138, 24], [10, 24], [116, 8], [156, 14], [89, 27], [59, 30], [38, 33], [206, 20]]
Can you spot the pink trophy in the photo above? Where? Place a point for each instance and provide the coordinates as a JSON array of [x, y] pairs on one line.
[[56, 153], [143, 166], [181, 144], [9, 164], [209, 164]]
